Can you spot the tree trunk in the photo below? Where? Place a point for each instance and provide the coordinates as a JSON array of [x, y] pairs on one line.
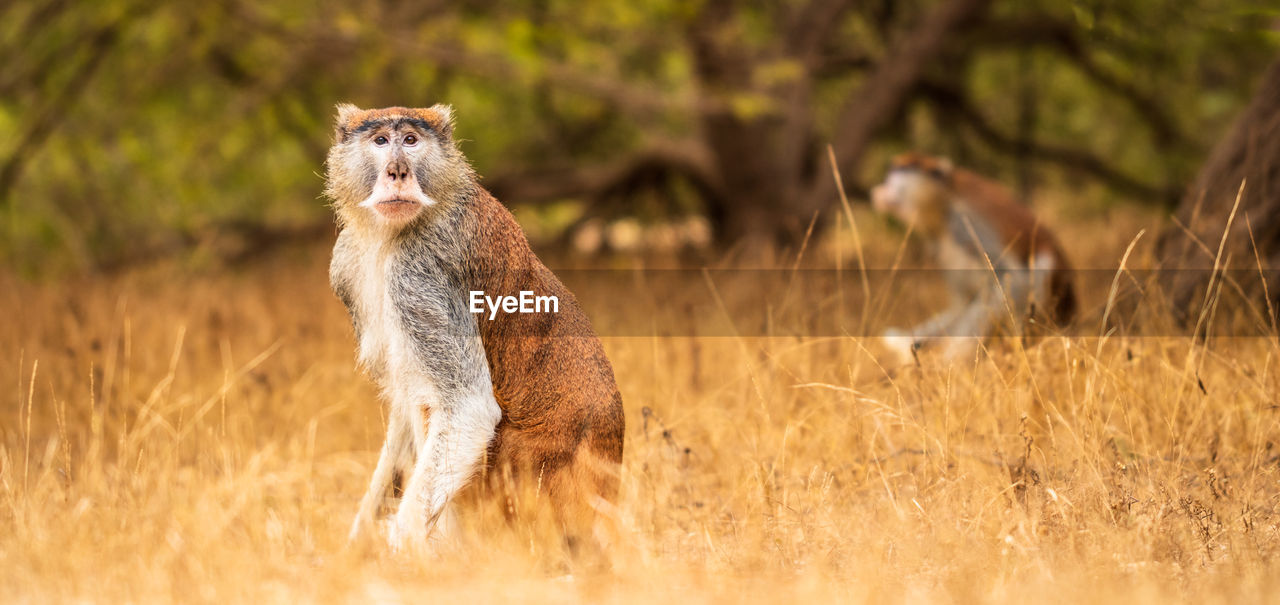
[[880, 97], [754, 151], [762, 156], [1250, 153]]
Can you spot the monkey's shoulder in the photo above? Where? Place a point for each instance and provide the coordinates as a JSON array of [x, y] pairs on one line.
[[344, 277], [498, 239]]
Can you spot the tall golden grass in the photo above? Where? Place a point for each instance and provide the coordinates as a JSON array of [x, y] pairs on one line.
[[169, 435]]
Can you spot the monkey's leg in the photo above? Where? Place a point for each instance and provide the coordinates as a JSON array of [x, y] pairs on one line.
[[1005, 295], [582, 494], [1007, 298], [396, 457], [1014, 299], [457, 438], [902, 343], [968, 329], [941, 324]]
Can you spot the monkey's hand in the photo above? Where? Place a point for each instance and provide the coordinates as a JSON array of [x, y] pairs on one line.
[[900, 344], [398, 536], [431, 539]]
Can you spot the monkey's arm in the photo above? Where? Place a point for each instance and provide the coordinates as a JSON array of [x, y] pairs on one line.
[[966, 322], [969, 288], [396, 458], [942, 323], [341, 274], [903, 343], [455, 406], [969, 327], [457, 437]]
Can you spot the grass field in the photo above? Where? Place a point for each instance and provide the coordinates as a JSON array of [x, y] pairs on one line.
[[203, 436]]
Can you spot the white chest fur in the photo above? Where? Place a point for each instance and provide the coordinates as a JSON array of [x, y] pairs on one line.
[[385, 350], [377, 315]]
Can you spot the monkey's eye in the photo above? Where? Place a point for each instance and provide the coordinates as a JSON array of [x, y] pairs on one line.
[[380, 141], [410, 140]]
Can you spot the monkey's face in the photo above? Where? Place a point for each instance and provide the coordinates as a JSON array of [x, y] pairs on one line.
[[391, 165], [916, 191]]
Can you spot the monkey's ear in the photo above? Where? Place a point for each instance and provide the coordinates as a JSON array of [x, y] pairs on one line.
[[446, 118], [341, 123]]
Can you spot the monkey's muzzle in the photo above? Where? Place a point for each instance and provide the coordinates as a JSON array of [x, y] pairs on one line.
[[398, 209]]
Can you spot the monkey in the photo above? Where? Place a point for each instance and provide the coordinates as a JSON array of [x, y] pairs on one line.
[[999, 260], [506, 397]]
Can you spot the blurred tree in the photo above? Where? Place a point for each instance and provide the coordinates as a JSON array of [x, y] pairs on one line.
[[136, 128], [1219, 225]]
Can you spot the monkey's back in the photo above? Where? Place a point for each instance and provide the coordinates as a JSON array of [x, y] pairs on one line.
[[1028, 238], [561, 406]]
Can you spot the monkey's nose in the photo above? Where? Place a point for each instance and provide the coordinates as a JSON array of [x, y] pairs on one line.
[[397, 170]]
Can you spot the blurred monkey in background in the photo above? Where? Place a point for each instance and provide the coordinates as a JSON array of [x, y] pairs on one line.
[[999, 261]]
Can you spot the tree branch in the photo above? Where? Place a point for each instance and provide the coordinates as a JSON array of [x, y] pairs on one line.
[[594, 183], [880, 96], [11, 74], [1064, 37], [637, 100], [840, 63], [957, 105], [49, 116], [811, 26]]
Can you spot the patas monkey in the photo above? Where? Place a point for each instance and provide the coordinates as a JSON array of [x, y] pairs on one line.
[[1000, 262], [529, 397]]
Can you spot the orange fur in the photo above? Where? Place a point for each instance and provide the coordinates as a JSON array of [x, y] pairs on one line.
[[1024, 235], [560, 429]]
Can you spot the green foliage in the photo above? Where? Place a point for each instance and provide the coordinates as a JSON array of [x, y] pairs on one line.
[[130, 129]]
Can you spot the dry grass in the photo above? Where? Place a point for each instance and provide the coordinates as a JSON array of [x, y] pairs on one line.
[[175, 437]]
